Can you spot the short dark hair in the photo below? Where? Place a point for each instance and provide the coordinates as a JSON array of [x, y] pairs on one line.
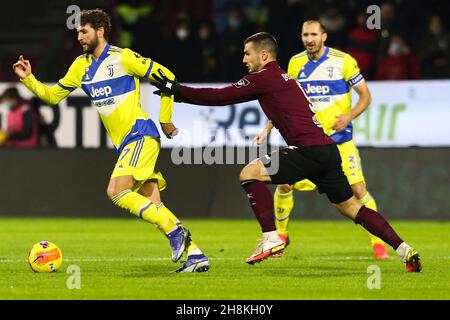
[[11, 93], [264, 40], [97, 18], [322, 27]]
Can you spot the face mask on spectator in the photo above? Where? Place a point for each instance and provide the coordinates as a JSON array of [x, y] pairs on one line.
[[182, 33], [395, 48], [8, 104], [234, 23]]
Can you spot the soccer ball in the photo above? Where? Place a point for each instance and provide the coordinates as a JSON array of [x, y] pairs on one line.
[[45, 256]]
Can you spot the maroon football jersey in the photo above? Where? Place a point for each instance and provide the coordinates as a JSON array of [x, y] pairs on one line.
[[281, 98]]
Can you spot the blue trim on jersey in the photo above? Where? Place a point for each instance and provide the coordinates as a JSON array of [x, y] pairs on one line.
[[109, 88], [92, 69], [312, 65], [149, 69], [314, 88], [141, 128], [344, 135], [64, 87]]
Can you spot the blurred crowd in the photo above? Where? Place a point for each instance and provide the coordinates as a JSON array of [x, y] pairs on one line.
[[202, 40]]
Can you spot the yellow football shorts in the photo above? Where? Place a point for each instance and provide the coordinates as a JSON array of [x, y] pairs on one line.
[[138, 159], [351, 164]]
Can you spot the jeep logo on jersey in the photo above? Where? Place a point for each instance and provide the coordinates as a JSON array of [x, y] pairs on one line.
[[241, 83], [100, 92], [317, 89]]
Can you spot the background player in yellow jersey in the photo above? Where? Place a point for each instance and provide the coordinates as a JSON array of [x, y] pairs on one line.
[[111, 77], [328, 75]]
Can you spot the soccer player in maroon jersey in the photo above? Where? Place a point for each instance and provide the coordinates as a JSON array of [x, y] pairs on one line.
[[310, 153]]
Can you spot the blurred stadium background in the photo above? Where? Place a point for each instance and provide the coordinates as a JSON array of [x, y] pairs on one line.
[[404, 136]]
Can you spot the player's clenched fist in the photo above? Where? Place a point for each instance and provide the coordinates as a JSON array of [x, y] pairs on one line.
[[22, 67]]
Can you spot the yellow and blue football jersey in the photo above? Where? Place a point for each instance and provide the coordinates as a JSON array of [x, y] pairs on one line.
[[328, 83], [112, 84]]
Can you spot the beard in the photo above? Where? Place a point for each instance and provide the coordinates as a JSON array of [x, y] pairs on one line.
[[314, 50], [91, 46]]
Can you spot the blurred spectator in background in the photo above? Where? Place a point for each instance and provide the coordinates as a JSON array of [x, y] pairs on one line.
[[22, 122], [408, 17], [335, 24], [207, 39], [46, 130], [139, 26], [256, 13], [221, 9], [152, 27], [231, 50], [183, 54], [362, 44], [171, 10], [283, 22], [399, 63], [387, 17], [435, 50]]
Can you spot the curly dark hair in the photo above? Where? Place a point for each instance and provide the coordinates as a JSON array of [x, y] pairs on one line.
[[97, 18]]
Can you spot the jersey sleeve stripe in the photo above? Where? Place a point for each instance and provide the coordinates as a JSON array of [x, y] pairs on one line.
[[149, 69], [64, 87]]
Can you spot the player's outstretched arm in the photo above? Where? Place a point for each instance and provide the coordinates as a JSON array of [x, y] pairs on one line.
[[50, 95], [205, 96]]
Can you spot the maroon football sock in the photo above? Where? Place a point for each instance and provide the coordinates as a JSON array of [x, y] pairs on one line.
[[261, 201], [377, 225]]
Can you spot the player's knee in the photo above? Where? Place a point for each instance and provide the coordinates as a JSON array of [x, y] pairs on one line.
[[359, 189], [112, 191], [246, 174], [255, 170], [349, 208], [284, 188]]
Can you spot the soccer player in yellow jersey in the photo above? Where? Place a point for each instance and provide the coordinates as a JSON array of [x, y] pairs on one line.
[[327, 76], [111, 77]]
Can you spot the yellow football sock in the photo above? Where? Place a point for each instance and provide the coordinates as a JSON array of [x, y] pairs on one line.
[[192, 247], [144, 209], [161, 207], [370, 203], [283, 204]]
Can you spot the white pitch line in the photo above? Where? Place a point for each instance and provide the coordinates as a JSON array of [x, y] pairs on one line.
[[140, 259], [106, 259]]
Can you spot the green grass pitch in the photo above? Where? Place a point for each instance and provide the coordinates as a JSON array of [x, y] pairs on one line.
[[130, 259]]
